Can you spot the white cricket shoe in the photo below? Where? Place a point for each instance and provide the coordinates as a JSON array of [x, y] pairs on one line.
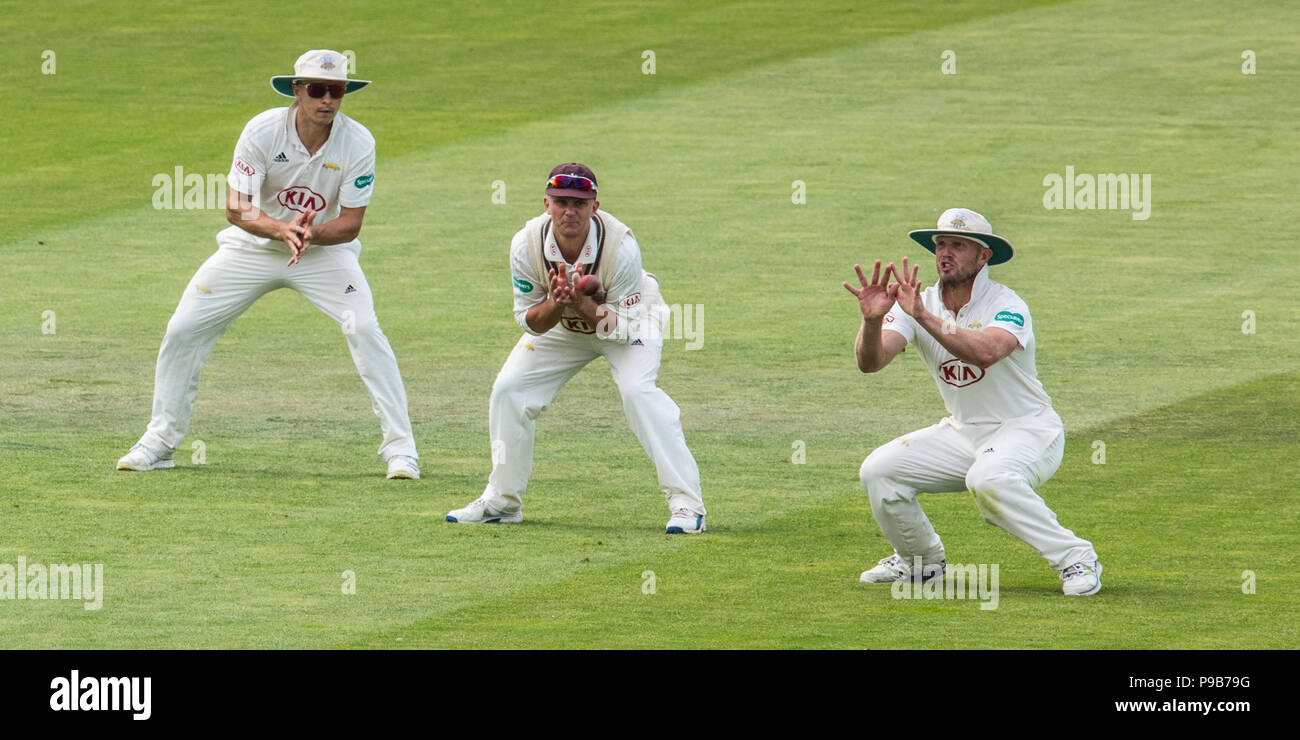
[[893, 569], [1082, 579], [478, 512], [404, 467], [684, 521], [142, 458]]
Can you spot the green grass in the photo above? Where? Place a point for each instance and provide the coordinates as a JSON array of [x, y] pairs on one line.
[[1138, 323]]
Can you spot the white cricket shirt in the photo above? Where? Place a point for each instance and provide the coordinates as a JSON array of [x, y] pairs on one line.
[[1008, 389], [623, 295], [272, 165]]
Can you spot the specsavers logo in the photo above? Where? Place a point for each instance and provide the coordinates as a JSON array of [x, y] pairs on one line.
[[523, 285], [1010, 318], [363, 181], [958, 374]]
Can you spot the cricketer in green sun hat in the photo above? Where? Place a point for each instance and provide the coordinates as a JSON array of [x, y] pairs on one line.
[[966, 223], [318, 64]]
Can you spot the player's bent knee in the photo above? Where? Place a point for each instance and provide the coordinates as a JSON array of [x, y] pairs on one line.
[[504, 389], [183, 326], [509, 395], [877, 469], [178, 327], [986, 482]]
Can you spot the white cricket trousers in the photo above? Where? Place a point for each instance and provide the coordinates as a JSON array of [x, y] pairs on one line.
[[1001, 464], [536, 369], [227, 284]]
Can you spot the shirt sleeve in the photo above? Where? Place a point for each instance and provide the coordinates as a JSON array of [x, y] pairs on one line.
[[897, 320], [529, 290], [248, 169], [623, 295], [359, 180], [1013, 316]]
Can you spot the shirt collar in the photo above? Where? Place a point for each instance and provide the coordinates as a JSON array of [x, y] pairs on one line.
[[291, 129], [983, 284], [585, 257]]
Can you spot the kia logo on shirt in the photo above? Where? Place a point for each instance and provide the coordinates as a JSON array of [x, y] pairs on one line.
[[576, 324], [300, 198], [958, 374]]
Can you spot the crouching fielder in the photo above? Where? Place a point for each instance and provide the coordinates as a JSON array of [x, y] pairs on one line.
[[565, 329], [1002, 439]]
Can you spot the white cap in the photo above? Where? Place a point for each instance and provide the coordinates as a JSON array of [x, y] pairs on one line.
[[969, 224], [318, 64], [964, 219]]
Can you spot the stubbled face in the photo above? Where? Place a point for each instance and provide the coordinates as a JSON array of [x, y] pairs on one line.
[[570, 216], [320, 111], [959, 259]]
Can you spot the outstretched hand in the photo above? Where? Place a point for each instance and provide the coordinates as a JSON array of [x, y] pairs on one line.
[[877, 296], [908, 289]]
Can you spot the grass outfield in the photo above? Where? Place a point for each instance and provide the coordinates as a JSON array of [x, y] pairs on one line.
[[1138, 323]]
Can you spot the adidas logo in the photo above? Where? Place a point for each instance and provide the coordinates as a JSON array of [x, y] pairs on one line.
[[349, 290], [280, 158], [636, 343]]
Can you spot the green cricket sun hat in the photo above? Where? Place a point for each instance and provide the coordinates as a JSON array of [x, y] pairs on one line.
[[318, 64], [966, 223]]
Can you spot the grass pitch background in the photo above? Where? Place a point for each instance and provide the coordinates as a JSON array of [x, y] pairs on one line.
[[1138, 323]]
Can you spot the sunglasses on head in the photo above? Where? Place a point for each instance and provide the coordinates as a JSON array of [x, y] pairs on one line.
[[572, 182], [318, 89]]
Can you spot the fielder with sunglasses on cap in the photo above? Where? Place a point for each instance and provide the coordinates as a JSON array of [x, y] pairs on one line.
[[1002, 438], [569, 320], [299, 186]]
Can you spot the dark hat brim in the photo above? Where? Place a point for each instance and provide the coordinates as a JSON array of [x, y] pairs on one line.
[[1002, 249], [561, 193], [283, 84]]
